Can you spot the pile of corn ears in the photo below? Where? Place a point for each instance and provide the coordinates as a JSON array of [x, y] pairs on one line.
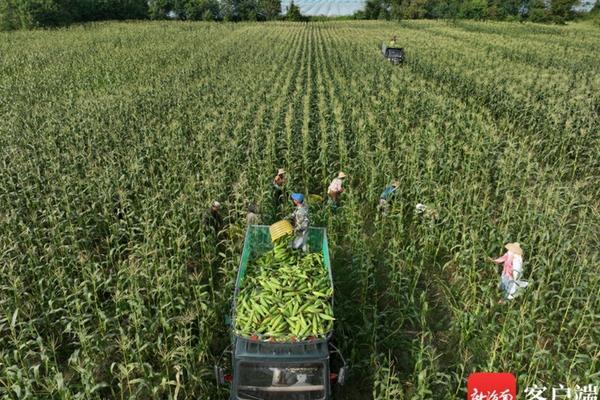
[[285, 296]]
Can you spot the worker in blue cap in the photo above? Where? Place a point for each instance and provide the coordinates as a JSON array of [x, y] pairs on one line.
[[300, 221], [387, 197]]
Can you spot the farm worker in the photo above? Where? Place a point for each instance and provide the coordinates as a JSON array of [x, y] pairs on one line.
[[387, 196], [393, 41], [212, 219], [512, 271], [336, 189], [252, 217], [300, 221], [119, 209], [426, 212], [278, 186]]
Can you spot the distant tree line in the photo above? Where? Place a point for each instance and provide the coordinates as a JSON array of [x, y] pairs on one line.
[[515, 10], [23, 14], [16, 14], [215, 10]]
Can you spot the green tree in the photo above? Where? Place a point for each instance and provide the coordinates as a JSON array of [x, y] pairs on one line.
[[246, 10], [209, 15], [594, 14], [94, 10], [229, 10], [269, 9], [8, 15], [207, 10], [438, 9], [376, 9], [39, 13], [414, 9], [158, 9], [452, 10], [396, 9], [510, 7], [562, 9], [293, 13], [473, 9], [536, 11], [495, 9]]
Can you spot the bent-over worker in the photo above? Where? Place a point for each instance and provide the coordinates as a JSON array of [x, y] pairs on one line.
[[387, 196], [512, 271], [252, 217], [336, 188], [212, 219], [300, 221]]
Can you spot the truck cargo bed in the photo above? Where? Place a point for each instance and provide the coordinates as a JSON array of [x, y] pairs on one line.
[[256, 243]]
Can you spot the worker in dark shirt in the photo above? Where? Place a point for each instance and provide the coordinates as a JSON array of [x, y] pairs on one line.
[[213, 222], [279, 187]]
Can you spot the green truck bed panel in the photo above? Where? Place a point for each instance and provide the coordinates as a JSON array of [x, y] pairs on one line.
[[258, 241]]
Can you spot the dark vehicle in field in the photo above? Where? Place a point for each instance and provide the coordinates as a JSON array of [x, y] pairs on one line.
[[394, 54], [264, 370]]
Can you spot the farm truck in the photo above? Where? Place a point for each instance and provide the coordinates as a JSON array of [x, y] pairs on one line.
[[280, 370]]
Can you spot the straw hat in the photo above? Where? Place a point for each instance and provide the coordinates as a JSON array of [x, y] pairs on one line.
[[216, 204], [280, 171], [514, 247], [341, 175], [395, 183]]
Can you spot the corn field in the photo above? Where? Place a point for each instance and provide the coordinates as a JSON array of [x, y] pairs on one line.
[[116, 137]]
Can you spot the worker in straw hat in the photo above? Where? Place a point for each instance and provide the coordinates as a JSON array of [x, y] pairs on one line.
[[512, 271], [278, 187], [300, 221], [387, 196], [426, 213], [336, 189]]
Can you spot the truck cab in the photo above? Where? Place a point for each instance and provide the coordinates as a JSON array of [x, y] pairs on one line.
[[394, 54], [280, 371], [264, 370]]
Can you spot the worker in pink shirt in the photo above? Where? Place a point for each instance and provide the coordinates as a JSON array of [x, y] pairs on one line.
[[336, 189], [512, 271]]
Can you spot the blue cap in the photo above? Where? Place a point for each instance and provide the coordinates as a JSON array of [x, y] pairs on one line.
[[299, 197]]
